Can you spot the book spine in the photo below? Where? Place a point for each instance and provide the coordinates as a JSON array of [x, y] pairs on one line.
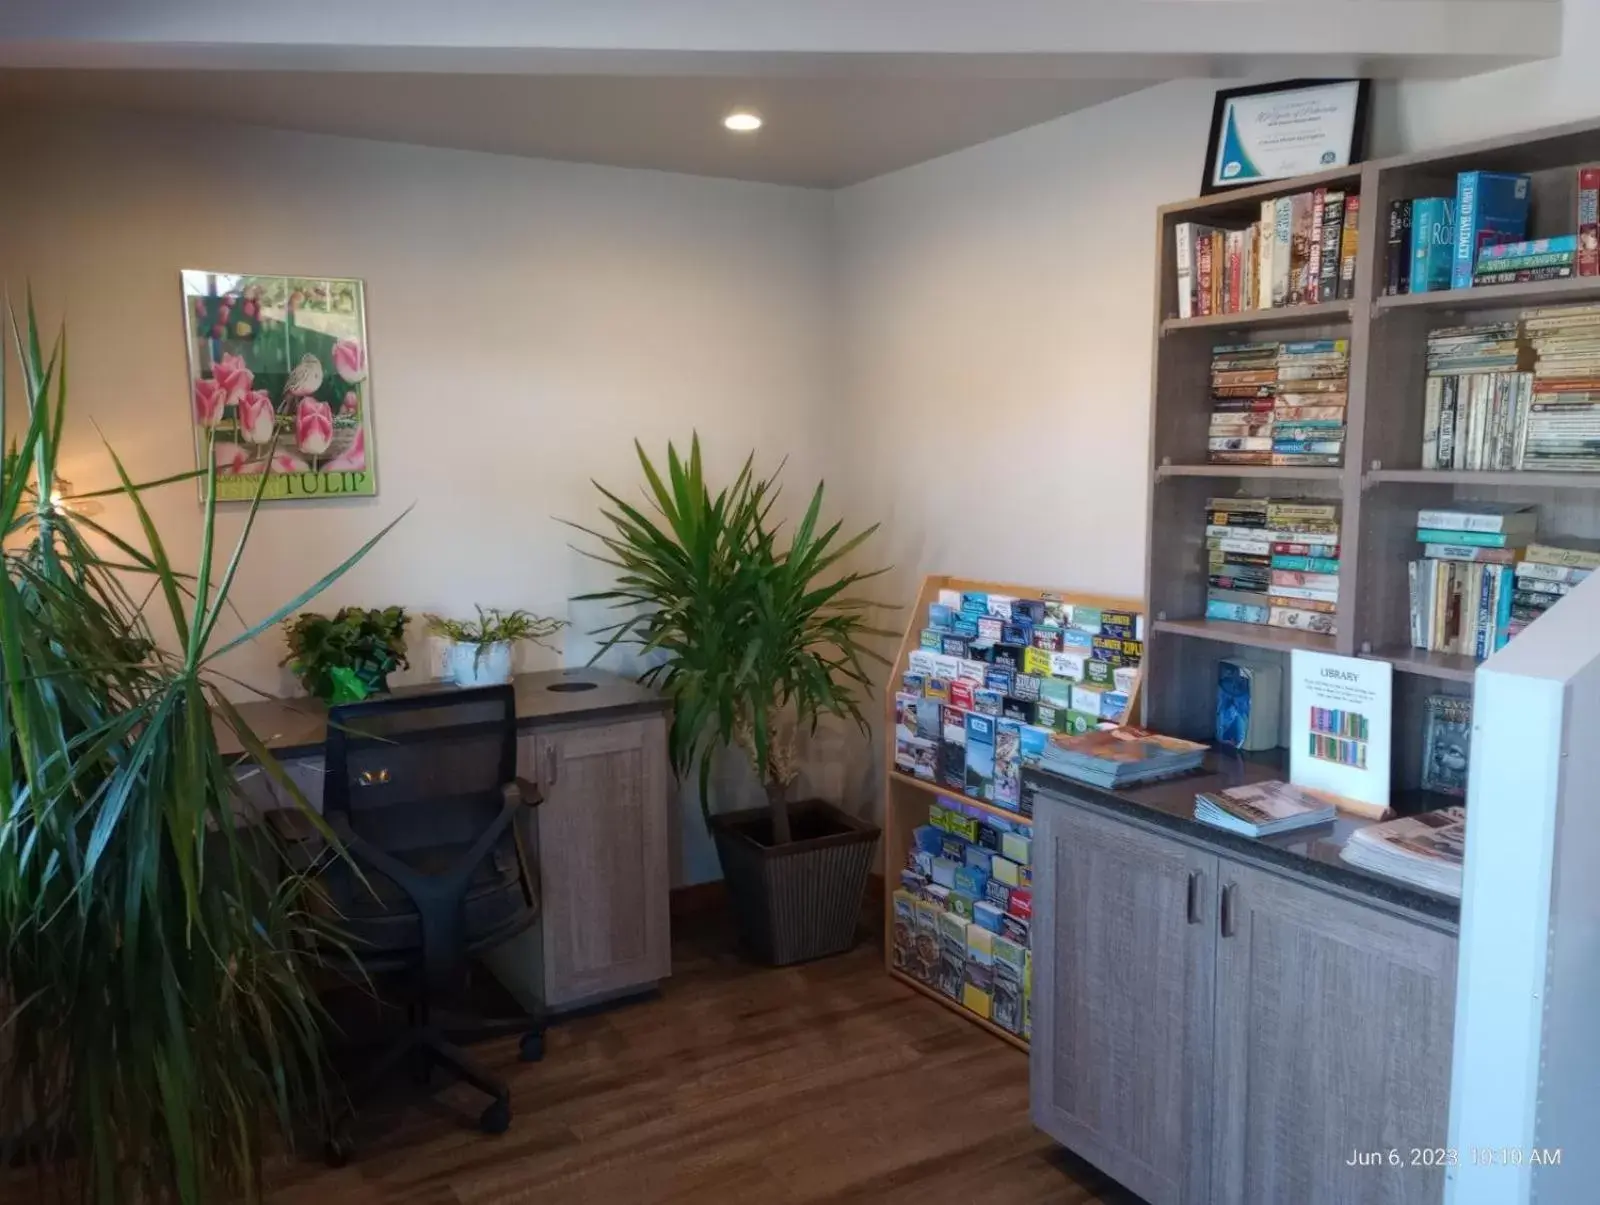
[[1466, 552], [1319, 212], [1533, 259], [1234, 288], [1267, 232], [1460, 520], [1502, 612], [1332, 238], [1302, 619], [1577, 558], [1481, 539], [1430, 423], [1299, 246], [1522, 276], [1202, 256], [1416, 608], [1328, 552], [1483, 627], [1445, 459], [1349, 245], [1305, 564], [1219, 265], [1306, 593], [1551, 573], [1236, 612], [1464, 259], [1282, 249], [1589, 221], [1243, 547], [1274, 599], [1397, 250]]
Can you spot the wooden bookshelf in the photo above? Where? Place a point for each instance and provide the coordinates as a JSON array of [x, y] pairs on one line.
[[1382, 484], [906, 798]]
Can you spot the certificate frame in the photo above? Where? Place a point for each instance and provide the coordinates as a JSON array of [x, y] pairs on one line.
[[1335, 137]]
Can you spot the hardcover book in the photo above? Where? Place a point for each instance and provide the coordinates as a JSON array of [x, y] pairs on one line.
[[1490, 207], [1446, 744], [1433, 228]]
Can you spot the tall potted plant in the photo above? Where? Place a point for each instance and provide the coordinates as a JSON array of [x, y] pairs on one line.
[[755, 635], [157, 1016]]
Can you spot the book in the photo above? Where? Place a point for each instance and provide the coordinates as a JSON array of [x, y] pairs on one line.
[[1432, 243], [1265, 242], [1249, 700], [1490, 207], [1262, 809], [1349, 246], [1300, 231], [1329, 244], [1120, 756], [1523, 275], [1480, 539], [1573, 555], [1282, 250], [1511, 518], [1425, 850], [1467, 552], [1589, 220], [1397, 249]]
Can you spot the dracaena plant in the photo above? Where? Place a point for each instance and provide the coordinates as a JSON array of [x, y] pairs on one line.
[[157, 1020], [754, 633]]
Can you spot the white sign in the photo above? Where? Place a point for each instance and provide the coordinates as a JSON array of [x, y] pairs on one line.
[[1341, 720], [1276, 135]]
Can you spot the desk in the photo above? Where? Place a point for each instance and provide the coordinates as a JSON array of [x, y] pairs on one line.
[[596, 743]]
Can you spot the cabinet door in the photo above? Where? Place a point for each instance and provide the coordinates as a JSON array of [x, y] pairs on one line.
[[1124, 946], [603, 858], [1333, 1045]]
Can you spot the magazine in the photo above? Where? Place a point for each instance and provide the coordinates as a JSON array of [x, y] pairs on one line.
[[1425, 850], [1119, 757], [1260, 809]]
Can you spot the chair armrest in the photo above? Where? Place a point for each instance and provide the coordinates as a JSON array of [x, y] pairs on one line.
[[521, 790]]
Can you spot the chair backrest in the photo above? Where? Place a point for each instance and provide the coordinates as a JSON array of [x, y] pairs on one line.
[[433, 764]]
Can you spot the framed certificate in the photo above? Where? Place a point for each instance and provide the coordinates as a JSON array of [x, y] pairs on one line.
[[1278, 131]]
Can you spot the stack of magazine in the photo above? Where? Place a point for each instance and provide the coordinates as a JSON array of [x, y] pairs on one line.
[[1260, 809], [1119, 757], [1425, 850]]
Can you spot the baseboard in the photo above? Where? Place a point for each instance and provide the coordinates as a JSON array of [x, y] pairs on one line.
[[697, 899]]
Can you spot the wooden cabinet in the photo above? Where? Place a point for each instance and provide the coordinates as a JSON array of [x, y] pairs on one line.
[[1124, 953], [1333, 1043], [1205, 1031], [603, 857]]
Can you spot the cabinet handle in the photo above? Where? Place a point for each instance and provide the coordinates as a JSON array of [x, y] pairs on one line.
[[550, 764], [1228, 921], [1193, 903]]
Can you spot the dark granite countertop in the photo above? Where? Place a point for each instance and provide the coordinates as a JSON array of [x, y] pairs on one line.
[[1310, 853], [297, 727]]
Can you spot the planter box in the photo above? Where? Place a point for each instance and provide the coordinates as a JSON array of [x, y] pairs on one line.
[[795, 902]]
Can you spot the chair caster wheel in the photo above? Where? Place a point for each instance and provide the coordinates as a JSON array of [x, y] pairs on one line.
[[496, 1119], [336, 1151], [531, 1049]]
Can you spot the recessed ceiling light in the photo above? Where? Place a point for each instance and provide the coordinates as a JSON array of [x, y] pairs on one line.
[[742, 121]]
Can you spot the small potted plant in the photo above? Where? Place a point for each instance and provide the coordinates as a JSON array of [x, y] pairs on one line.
[[480, 649], [350, 656]]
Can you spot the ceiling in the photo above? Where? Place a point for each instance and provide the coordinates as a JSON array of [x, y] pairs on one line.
[[823, 132], [849, 88]]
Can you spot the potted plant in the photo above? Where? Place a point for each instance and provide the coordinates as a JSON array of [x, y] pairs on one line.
[[479, 652], [350, 656], [758, 635], [161, 1027]]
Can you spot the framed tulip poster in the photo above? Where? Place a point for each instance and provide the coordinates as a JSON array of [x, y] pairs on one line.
[[278, 384]]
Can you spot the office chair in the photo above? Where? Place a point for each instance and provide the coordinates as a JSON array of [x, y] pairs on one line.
[[423, 792]]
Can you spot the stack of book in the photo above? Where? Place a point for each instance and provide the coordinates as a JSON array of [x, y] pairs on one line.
[[1120, 757], [1261, 809], [1528, 260], [1544, 575], [1562, 432], [1308, 412], [1302, 251], [1477, 401], [1244, 379], [1462, 590], [1426, 850], [1273, 561]]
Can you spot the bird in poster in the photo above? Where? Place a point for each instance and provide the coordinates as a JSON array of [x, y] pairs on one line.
[[305, 380]]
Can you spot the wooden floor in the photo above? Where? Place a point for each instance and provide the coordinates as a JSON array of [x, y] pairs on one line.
[[826, 1082]]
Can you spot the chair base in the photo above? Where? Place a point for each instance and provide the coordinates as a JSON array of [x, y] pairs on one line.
[[426, 1047]]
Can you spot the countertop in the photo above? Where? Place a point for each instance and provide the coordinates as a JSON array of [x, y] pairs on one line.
[[297, 727], [1309, 853]]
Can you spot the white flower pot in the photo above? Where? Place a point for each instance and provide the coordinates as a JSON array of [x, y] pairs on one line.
[[480, 665]]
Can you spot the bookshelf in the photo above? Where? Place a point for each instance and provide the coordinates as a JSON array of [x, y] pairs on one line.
[[906, 798], [1381, 484]]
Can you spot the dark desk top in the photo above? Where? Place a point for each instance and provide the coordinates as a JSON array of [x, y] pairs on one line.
[[1310, 853], [296, 727]]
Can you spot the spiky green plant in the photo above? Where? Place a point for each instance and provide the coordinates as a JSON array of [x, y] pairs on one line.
[[494, 626], [157, 1021], [753, 636]]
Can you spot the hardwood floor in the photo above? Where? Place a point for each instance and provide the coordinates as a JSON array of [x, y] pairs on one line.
[[825, 1082]]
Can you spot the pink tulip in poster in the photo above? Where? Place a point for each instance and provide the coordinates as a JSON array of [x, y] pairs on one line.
[[279, 384]]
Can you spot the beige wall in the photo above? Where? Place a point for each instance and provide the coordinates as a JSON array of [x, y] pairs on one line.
[[527, 321]]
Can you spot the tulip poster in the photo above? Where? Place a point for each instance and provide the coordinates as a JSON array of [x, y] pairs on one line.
[[278, 384]]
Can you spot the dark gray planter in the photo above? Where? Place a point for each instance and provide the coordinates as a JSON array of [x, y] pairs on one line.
[[795, 902]]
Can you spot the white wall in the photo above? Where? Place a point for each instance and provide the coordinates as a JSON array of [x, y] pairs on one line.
[[527, 320]]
